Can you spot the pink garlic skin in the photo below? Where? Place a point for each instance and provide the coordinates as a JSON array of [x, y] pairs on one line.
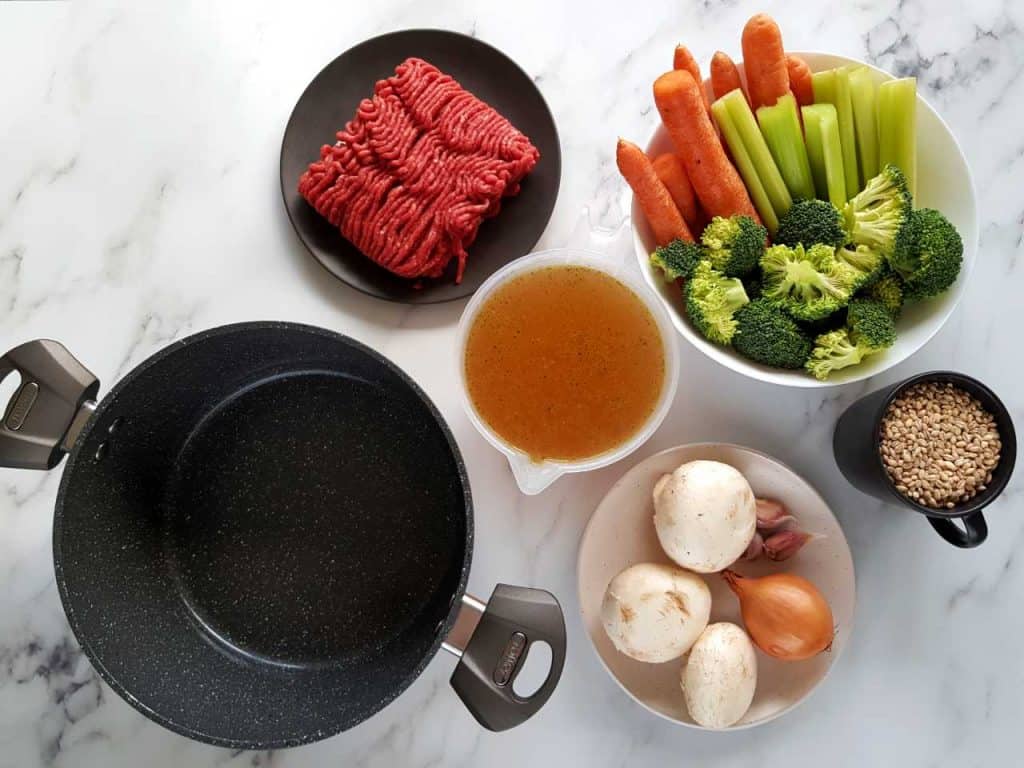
[[755, 548], [772, 515], [784, 544]]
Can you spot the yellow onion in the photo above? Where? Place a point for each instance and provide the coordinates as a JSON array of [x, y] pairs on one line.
[[785, 615]]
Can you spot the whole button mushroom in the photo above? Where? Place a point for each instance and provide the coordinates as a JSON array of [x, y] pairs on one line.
[[705, 515], [719, 676], [654, 612]]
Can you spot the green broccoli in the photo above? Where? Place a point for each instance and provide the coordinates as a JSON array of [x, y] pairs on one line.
[[752, 284], [871, 325], [833, 351], [878, 215], [869, 329], [765, 334], [811, 221], [711, 302], [888, 290], [869, 263], [677, 258], [933, 262], [734, 245], [809, 284]]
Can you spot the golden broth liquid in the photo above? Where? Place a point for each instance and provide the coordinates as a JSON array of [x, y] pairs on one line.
[[564, 363]]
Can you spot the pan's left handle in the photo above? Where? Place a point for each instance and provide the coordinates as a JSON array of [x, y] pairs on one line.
[[493, 649], [55, 399]]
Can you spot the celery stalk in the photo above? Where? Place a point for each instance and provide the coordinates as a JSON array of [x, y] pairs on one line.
[[781, 129], [822, 125], [897, 127], [824, 85], [745, 165], [753, 141], [815, 150], [847, 132], [862, 93]]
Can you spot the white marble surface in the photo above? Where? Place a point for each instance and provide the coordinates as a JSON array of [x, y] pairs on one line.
[[139, 202]]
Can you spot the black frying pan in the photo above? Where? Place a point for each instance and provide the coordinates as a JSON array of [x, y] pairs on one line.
[[263, 535]]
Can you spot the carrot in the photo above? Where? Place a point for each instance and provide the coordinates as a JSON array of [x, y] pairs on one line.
[[764, 61], [672, 174], [654, 199], [715, 181], [800, 80], [725, 76], [683, 59]]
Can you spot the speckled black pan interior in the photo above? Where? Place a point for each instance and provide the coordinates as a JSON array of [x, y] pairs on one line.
[[261, 534]]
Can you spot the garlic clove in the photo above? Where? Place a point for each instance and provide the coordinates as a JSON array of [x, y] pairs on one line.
[[784, 544], [755, 548], [772, 515]]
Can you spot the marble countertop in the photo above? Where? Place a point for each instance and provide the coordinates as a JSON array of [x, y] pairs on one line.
[[139, 203]]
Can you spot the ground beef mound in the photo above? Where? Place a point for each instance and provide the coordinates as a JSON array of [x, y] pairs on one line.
[[417, 170]]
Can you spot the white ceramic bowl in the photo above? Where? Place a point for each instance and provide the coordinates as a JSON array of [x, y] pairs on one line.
[[531, 476], [944, 182], [621, 533]]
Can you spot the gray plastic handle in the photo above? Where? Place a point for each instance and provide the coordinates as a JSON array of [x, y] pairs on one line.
[[514, 619], [56, 397]]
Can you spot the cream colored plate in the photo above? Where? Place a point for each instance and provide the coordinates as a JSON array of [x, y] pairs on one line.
[[621, 533]]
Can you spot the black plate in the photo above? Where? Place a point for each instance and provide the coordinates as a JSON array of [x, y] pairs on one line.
[[330, 101]]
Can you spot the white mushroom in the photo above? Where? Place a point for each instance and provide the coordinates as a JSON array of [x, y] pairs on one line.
[[705, 515], [655, 612], [719, 676]]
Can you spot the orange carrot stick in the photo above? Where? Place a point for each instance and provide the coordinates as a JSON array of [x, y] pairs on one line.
[[654, 199], [800, 80], [725, 76], [672, 174], [764, 61], [715, 181], [683, 59]]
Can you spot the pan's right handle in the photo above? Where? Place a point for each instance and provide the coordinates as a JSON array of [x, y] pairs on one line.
[[56, 397], [506, 627]]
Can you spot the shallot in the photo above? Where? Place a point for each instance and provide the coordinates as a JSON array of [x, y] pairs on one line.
[[785, 615]]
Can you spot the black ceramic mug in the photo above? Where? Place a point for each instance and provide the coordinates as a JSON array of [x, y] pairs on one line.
[[857, 440]]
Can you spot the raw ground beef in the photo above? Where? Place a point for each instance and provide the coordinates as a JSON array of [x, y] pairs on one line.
[[415, 172]]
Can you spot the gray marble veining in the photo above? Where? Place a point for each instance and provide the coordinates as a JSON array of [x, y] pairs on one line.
[[139, 203]]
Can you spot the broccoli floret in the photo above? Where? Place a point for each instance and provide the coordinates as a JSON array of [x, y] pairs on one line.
[[711, 302], [811, 221], [765, 334], [677, 259], [932, 263], [879, 214], [734, 245], [752, 284], [809, 284], [833, 351], [869, 329], [869, 263], [888, 290], [871, 325]]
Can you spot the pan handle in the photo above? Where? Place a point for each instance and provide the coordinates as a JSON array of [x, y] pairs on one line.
[[56, 397], [512, 621]]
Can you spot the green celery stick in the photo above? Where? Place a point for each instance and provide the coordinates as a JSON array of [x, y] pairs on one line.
[[822, 125], [824, 85], [753, 141], [781, 129], [815, 151], [862, 93], [847, 132], [745, 165], [897, 127]]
